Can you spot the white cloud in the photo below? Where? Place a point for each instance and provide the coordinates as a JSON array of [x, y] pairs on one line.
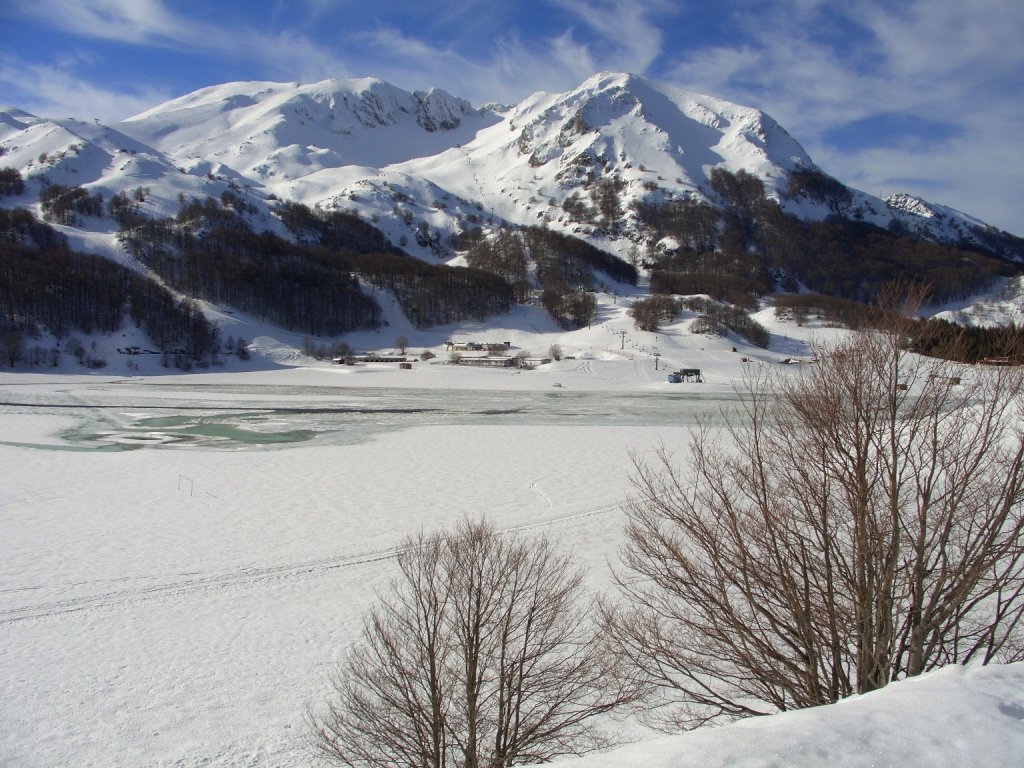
[[976, 172], [130, 21], [57, 92], [511, 71], [575, 58], [607, 35], [151, 23], [619, 35], [291, 56], [951, 63], [630, 39], [947, 39]]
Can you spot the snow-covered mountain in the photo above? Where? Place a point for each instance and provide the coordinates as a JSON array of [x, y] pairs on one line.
[[407, 160], [91, 155], [273, 132]]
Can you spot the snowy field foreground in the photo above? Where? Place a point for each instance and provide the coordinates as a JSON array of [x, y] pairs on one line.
[[177, 583], [183, 559]]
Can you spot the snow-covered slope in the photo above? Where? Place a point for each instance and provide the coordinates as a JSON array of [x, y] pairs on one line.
[[655, 138], [272, 132], [94, 156], [999, 309], [368, 146], [942, 224], [952, 717]]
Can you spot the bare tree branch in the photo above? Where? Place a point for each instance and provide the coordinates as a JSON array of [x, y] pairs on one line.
[[482, 654]]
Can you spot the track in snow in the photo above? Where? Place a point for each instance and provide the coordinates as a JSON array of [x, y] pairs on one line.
[[244, 577]]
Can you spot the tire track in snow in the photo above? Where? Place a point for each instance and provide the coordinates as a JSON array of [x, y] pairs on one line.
[[247, 577]]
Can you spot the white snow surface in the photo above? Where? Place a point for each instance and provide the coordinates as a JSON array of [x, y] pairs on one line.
[[951, 717], [185, 558]]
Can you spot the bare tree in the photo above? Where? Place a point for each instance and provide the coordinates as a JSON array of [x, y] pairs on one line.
[[855, 525], [482, 654]]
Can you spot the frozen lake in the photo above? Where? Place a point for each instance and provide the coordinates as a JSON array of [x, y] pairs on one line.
[[126, 416], [183, 563]]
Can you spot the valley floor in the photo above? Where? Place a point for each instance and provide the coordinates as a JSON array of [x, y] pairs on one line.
[[177, 586], [184, 559]]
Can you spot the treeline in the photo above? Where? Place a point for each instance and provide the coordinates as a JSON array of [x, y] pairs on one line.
[[559, 257], [428, 294], [949, 341], [19, 226], [650, 312], [263, 275], [336, 230], [714, 317], [558, 267], [749, 246], [818, 186], [605, 199], [63, 204], [45, 286], [11, 182], [558, 261], [932, 337], [571, 309], [831, 310], [209, 251]]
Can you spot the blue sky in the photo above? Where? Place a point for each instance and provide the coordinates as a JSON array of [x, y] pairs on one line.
[[912, 96]]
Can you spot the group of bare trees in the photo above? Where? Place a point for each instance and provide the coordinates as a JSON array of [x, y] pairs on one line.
[[45, 286], [847, 527], [856, 525]]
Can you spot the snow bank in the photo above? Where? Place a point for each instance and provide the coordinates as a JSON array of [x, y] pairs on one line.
[[951, 717]]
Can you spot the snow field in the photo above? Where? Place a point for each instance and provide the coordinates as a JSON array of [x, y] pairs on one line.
[[184, 606]]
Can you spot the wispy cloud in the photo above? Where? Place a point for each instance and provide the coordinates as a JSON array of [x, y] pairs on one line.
[[56, 91], [151, 23], [599, 35], [511, 70], [630, 39], [130, 21], [292, 56]]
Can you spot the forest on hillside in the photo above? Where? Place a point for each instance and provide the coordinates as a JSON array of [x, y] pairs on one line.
[[749, 247], [313, 285], [209, 250], [45, 287]]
